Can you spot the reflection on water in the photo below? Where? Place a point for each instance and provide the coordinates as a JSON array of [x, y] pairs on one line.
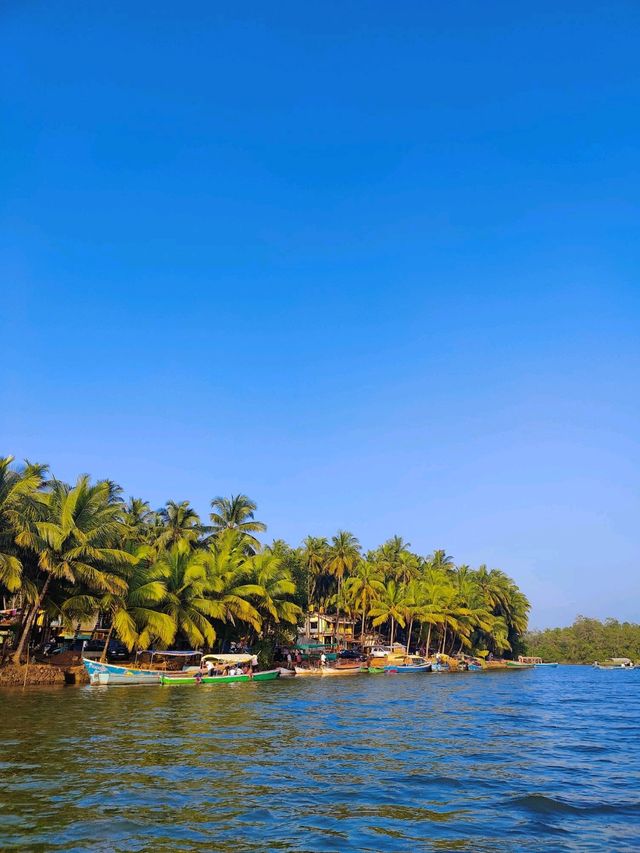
[[542, 759]]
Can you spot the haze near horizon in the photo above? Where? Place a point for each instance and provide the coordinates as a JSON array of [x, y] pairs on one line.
[[375, 267]]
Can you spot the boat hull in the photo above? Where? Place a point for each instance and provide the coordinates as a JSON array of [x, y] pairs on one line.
[[544, 665], [109, 673], [408, 668], [326, 672]]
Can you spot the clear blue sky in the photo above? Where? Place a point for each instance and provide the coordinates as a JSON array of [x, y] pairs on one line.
[[376, 265]]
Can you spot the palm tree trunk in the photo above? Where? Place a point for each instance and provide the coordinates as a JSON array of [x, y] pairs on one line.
[[428, 638], [444, 638], [409, 635], [362, 628], [392, 627], [28, 625], [103, 656]]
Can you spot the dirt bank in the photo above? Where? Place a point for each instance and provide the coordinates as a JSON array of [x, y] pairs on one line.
[[39, 674]]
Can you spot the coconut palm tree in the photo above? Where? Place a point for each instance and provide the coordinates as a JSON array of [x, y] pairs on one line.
[[237, 513], [140, 520], [390, 607], [74, 534], [184, 572], [136, 615], [180, 522], [275, 589], [18, 490], [363, 587], [342, 558]]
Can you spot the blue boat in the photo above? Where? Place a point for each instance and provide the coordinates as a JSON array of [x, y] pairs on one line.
[[110, 673], [408, 665]]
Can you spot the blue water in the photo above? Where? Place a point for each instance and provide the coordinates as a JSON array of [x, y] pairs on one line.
[[534, 760]]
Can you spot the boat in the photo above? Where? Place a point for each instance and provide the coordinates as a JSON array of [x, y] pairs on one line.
[[407, 664], [516, 664], [543, 664], [286, 673], [475, 667], [110, 673], [328, 671], [615, 663], [187, 678], [375, 670], [537, 662]]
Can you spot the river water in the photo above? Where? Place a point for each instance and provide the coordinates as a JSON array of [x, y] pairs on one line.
[[534, 760]]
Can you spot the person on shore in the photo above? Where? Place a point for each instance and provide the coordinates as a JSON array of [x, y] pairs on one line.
[[289, 660], [254, 663], [323, 660]]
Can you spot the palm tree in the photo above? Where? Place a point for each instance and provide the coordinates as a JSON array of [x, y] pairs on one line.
[[136, 614], [184, 572], [343, 556], [363, 587], [273, 600], [229, 584], [180, 523], [237, 513], [140, 520], [314, 555], [18, 489], [390, 606], [73, 534]]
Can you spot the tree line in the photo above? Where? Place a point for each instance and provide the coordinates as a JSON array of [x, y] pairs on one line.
[[73, 552], [586, 641]]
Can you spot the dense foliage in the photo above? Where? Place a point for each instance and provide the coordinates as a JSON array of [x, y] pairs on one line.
[[80, 552], [586, 641]]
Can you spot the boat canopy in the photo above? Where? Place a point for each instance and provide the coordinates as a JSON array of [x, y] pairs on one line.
[[229, 658]]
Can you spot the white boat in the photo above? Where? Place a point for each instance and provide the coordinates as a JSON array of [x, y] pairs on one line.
[[327, 671], [615, 663], [110, 673]]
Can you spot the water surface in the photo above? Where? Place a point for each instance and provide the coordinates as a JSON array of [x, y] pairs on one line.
[[535, 760]]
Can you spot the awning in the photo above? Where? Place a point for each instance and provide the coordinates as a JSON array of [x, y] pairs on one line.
[[229, 658]]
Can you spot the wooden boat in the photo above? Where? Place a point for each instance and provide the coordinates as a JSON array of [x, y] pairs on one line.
[[475, 667], [286, 673], [110, 673], [543, 664], [375, 670], [516, 664], [407, 664], [535, 661], [184, 678], [328, 671], [615, 663]]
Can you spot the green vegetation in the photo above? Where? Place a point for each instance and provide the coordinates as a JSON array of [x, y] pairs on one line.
[[76, 553], [586, 641]]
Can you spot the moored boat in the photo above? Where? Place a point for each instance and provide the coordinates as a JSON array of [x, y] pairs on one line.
[[186, 678], [407, 664], [615, 663], [110, 673], [328, 671], [537, 662]]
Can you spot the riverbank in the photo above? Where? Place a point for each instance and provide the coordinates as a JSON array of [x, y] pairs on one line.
[[38, 674]]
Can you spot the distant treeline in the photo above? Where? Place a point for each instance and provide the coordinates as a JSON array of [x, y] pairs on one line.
[[586, 641]]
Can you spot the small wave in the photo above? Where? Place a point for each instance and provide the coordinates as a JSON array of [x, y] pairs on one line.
[[541, 804]]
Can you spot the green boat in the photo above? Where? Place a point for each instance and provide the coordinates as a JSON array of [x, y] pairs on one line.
[[180, 678], [375, 670]]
